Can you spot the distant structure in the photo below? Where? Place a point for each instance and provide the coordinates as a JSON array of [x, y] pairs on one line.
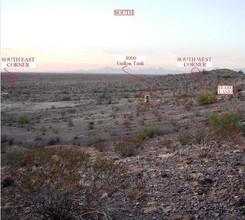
[[147, 98]]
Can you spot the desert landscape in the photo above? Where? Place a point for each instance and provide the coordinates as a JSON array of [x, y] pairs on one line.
[[88, 146]]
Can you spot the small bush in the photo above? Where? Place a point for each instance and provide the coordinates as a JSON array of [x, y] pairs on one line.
[[70, 123], [72, 110], [66, 98], [202, 98], [16, 157], [167, 142], [52, 188], [63, 183], [127, 148], [11, 140], [242, 128], [153, 130], [4, 139], [53, 141], [8, 181], [200, 137], [219, 124], [140, 134], [23, 119], [184, 138], [240, 72], [91, 125], [38, 137], [103, 95], [65, 92], [125, 95], [100, 146], [205, 71]]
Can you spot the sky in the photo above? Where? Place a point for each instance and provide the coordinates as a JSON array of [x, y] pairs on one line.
[[67, 35]]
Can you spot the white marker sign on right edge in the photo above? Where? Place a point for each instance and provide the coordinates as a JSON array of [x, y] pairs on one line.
[[224, 89]]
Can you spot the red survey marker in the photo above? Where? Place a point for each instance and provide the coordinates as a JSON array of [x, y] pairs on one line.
[[10, 78], [204, 87]]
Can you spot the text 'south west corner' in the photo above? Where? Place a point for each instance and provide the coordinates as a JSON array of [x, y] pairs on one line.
[[194, 62]]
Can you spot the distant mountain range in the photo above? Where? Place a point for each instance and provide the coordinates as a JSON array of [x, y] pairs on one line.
[[155, 71], [110, 70]]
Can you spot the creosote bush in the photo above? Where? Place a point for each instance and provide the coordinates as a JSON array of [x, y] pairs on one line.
[[91, 125], [4, 139], [23, 119], [203, 98], [185, 138], [54, 140], [127, 147], [153, 130], [140, 134], [66, 98], [7, 181], [7, 139], [64, 183], [219, 122], [150, 131], [167, 142]]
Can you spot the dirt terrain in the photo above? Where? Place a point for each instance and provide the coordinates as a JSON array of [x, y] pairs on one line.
[[189, 170]]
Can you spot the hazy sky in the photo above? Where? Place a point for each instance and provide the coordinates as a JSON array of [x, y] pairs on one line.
[[84, 34]]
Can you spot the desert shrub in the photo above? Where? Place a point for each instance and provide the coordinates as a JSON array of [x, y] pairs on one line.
[[37, 137], [184, 138], [140, 134], [16, 157], [11, 140], [91, 125], [101, 145], [72, 110], [219, 124], [242, 128], [7, 139], [66, 98], [7, 181], [127, 147], [26, 92], [113, 115], [4, 139], [23, 119], [205, 71], [53, 140], [240, 72], [63, 183], [125, 95], [153, 130], [226, 76], [200, 137], [70, 123], [103, 95], [53, 185], [202, 98], [167, 142]]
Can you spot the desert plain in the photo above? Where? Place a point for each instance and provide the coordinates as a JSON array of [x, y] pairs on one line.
[[162, 159]]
